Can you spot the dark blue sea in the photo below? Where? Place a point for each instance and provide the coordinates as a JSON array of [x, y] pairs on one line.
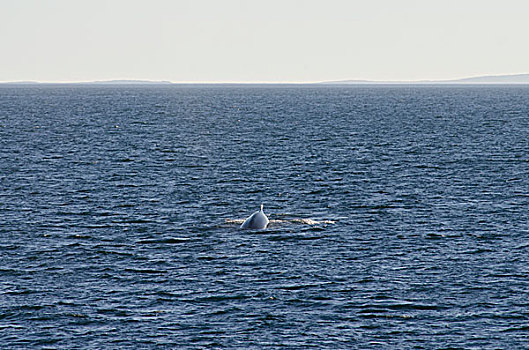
[[399, 217]]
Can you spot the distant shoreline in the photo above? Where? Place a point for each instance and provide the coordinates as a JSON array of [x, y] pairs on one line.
[[486, 79], [513, 79]]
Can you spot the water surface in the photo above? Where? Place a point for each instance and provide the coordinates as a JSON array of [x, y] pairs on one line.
[[118, 211]]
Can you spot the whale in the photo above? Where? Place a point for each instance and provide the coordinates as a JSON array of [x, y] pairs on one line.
[[257, 220]]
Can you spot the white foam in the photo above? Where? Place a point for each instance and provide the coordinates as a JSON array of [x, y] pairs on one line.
[[284, 221]]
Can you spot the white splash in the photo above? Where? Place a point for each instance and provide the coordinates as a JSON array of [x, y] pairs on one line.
[[275, 222]]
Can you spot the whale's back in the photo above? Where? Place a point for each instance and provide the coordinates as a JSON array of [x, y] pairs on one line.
[[257, 220]]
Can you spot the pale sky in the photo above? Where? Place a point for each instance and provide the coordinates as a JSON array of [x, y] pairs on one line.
[[261, 41]]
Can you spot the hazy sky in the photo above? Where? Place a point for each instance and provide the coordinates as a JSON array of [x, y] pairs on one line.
[[265, 40]]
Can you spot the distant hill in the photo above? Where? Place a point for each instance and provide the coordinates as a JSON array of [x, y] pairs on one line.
[[487, 79], [498, 79]]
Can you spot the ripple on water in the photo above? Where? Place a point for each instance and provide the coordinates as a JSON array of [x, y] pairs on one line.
[[397, 217]]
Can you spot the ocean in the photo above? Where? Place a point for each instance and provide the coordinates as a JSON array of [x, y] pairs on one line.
[[399, 217]]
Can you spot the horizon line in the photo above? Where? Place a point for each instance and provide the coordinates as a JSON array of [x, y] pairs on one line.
[[213, 82], [147, 81]]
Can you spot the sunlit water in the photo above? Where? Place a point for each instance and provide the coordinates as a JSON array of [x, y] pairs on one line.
[[399, 217]]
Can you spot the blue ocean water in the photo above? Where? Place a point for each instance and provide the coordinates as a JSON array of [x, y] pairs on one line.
[[120, 206]]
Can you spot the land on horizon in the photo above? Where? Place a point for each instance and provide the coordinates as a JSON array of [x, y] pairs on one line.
[[485, 79]]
